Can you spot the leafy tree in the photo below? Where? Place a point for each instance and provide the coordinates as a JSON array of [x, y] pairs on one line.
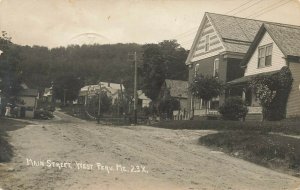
[[206, 88], [174, 58], [10, 71], [68, 87], [153, 70], [93, 104], [162, 61]]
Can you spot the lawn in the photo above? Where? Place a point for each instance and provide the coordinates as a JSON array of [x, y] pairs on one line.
[[6, 151], [277, 152], [275, 145], [287, 127]]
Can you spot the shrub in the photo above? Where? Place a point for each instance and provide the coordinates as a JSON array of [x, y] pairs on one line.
[[234, 108], [43, 114], [168, 105]]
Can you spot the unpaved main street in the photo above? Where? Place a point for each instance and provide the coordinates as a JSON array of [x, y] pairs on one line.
[[133, 157]]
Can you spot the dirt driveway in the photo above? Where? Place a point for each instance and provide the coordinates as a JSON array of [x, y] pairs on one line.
[[68, 153]]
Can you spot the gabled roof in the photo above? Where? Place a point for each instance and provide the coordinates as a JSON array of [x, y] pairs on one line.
[[112, 88], [286, 37], [178, 88], [141, 95], [237, 34]]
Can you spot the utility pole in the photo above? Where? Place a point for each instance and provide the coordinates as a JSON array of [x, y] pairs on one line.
[[65, 97], [135, 89], [99, 100]]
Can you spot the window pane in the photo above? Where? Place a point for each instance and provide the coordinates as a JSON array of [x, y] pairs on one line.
[[262, 52], [261, 62], [216, 67], [269, 50], [268, 60]]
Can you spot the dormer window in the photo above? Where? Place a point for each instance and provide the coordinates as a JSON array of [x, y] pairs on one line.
[[265, 56], [206, 42]]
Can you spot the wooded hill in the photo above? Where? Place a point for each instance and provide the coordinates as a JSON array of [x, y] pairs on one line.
[[75, 66]]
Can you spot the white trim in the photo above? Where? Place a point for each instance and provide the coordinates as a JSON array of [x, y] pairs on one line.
[[201, 104], [190, 57], [195, 42], [218, 35], [196, 69], [214, 72], [207, 43]]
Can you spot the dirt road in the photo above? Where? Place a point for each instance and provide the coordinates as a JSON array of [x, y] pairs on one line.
[[68, 153]]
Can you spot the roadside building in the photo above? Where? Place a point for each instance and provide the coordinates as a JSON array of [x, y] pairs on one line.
[[143, 100], [275, 46], [218, 49], [28, 98], [48, 94], [113, 91], [178, 90]]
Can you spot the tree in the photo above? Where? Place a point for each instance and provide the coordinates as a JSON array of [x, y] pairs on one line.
[[162, 61], [93, 104], [153, 70], [10, 72], [67, 87], [174, 58], [206, 88]]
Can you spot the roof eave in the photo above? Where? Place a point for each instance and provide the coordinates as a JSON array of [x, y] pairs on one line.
[[188, 60], [253, 46]]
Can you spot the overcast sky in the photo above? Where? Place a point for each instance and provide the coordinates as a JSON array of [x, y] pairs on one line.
[[55, 23]]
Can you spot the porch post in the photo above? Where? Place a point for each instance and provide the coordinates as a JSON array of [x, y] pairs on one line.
[[243, 95]]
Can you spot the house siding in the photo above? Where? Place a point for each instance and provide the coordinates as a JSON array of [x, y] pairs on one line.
[[215, 46], [234, 69], [206, 67], [293, 104], [278, 60]]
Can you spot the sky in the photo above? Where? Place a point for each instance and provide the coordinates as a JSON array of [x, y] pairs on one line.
[[54, 23]]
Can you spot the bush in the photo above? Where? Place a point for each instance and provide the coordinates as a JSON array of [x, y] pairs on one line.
[[234, 108], [43, 114], [273, 92]]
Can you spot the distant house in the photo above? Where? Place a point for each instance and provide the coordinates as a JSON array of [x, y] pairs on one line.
[[113, 90], [177, 89], [143, 100], [28, 99], [274, 46], [47, 96]]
